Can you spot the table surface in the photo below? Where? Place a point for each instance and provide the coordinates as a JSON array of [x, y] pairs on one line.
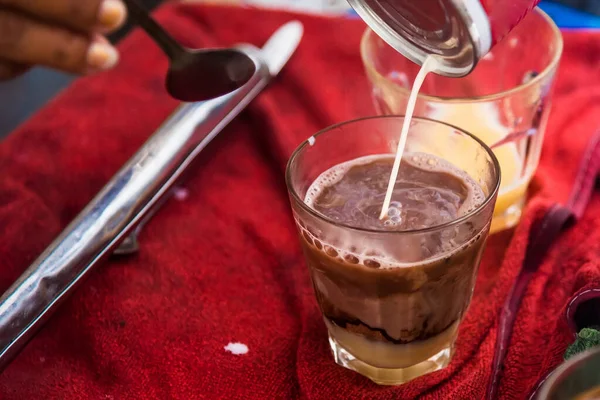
[[21, 97]]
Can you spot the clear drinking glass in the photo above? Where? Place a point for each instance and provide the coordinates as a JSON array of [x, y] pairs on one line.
[[392, 324], [505, 101]]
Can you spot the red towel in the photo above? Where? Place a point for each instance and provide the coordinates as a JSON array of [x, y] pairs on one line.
[[223, 264]]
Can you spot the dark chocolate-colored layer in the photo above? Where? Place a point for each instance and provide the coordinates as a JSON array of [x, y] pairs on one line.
[[376, 334]]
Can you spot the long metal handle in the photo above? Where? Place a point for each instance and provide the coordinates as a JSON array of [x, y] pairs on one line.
[[116, 210]]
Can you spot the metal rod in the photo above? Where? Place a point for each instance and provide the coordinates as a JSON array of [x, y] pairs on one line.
[[116, 211]]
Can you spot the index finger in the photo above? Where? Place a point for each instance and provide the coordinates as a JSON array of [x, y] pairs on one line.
[[81, 15]]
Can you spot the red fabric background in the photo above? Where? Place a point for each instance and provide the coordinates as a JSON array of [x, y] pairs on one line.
[[224, 265]]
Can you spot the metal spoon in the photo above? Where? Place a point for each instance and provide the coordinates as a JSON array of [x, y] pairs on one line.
[[195, 75]]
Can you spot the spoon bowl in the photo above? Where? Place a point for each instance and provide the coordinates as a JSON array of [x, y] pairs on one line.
[[195, 75], [205, 74]]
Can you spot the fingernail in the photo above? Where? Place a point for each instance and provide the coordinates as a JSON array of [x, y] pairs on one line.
[[102, 56], [112, 14]]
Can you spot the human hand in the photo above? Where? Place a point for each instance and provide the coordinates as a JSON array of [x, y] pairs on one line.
[[63, 34]]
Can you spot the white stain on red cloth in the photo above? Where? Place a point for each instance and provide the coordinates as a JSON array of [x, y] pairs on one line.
[[236, 348], [181, 193]]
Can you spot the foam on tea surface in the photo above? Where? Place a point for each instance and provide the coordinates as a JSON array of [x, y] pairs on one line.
[[428, 191]]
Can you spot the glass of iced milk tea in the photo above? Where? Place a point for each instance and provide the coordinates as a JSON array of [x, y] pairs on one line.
[[393, 291], [504, 101]]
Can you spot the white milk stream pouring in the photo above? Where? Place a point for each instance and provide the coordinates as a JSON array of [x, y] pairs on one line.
[[430, 64]]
